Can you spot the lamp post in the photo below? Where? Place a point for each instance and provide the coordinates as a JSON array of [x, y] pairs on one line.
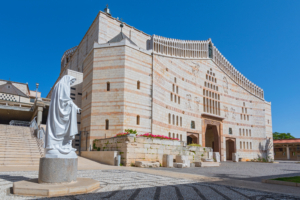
[[37, 86]]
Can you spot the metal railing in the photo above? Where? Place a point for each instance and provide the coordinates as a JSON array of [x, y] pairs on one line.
[[19, 123]]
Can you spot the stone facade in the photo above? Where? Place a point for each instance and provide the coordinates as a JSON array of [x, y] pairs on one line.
[[178, 88]]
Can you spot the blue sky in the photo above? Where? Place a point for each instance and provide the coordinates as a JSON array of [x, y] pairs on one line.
[[260, 38]]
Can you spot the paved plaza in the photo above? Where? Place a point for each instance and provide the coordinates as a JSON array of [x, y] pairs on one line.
[[124, 184], [247, 171]]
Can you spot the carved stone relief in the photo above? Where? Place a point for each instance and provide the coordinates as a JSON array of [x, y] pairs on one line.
[[196, 71], [188, 104], [226, 111], [233, 113], [197, 100], [225, 85]]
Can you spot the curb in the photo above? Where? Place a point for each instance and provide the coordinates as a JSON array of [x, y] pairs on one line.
[[281, 183]]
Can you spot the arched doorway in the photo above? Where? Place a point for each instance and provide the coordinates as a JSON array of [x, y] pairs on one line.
[[230, 148], [212, 138], [192, 138]]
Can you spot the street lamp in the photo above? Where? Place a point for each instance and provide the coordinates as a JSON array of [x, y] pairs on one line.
[[37, 86]]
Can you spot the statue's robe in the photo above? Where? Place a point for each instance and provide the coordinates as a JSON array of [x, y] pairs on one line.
[[61, 125]]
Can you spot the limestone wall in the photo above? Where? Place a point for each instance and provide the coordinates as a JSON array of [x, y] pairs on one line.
[[134, 149]]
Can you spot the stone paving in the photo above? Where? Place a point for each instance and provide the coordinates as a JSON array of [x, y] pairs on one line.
[[128, 185], [248, 171]]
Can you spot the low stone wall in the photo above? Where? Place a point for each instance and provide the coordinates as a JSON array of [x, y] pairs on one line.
[[105, 157], [133, 149]]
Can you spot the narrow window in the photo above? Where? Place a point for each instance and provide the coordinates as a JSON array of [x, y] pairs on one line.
[[206, 76], [180, 137], [177, 136], [177, 120], [244, 103], [244, 145], [138, 85], [108, 86], [250, 145], [216, 81], [248, 117], [243, 132], [72, 94], [138, 120], [218, 97], [203, 91], [173, 119], [169, 134], [177, 89], [245, 110], [173, 88], [246, 132], [247, 145], [230, 131], [174, 79], [178, 99], [192, 124], [175, 98], [241, 145], [244, 117], [106, 124], [171, 97], [250, 133], [241, 116], [169, 118], [204, 105], [173, 135], [242, 110], [240, 132], [180, 121], [217, 88]]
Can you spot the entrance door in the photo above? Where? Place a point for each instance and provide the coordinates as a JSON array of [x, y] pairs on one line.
[[212, 138], [229, 149]]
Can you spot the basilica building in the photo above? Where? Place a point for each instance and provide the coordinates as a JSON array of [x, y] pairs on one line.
[[185, 89]]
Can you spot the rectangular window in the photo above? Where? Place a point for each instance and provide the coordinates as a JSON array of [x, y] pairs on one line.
[[178, 99], [73, 98], [171, 97], [106, 124], [32, 100], [230, 131], [79, 93], [73, 94], [192, 124], [240, 132], [73, 88], [78, 123]]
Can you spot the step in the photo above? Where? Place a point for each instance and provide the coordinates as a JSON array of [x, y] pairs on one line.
[[20, 156], [23, 163], [21, 159]]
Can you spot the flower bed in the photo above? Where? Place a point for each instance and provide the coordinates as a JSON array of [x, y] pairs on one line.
[[149, 135], [122, 134]]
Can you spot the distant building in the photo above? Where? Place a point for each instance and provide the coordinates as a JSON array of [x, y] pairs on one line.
[[127, 79], [19, 105], [287, 149]]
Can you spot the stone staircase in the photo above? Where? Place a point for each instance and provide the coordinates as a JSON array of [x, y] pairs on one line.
[[18, 146]]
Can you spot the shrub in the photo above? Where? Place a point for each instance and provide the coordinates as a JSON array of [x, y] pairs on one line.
[[131, 131], [121, 134], [98, 149]]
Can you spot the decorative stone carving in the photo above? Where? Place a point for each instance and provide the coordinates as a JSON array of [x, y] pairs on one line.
[[197, 100], [196, 72], [232, 110], [226, 111], [62, 121], [225, 85], [188, 103]]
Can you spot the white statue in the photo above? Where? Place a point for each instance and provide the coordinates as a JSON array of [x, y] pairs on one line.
[[62, 121]]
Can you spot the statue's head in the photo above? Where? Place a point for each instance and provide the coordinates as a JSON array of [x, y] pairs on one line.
[[68, 80]]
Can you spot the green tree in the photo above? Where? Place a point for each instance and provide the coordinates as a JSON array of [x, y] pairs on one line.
[[279, 136]]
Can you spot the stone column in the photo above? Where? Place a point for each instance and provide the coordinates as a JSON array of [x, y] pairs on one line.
[[39, 115], [287, 152]]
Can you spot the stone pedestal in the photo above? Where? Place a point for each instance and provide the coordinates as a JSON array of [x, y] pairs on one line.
[[235, 157], [167, 160], [57, 177], [57, 170], [217, 156]]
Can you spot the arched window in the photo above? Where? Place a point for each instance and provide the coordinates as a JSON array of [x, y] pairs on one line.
[[169, 134], [175, 98], [108, 86], [106, 124], [138, 120], [169, 118], [203, 91], [180, 121], [250, 145], [246, 132], [138, 85], [247, 145], [171, 97], [180, 137], [173, 135], [173, 119], [243, 132], [174, 79], [244, 145], [177, 120], [177, 136]]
